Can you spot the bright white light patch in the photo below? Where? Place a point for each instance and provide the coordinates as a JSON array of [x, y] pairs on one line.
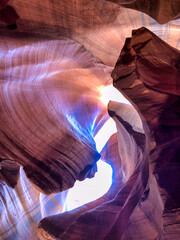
[[90, 189], [110, 93], [104, 134]]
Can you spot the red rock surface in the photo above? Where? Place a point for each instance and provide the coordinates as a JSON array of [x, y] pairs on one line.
[[55, 57]]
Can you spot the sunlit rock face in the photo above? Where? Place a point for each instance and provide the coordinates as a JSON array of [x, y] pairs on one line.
[[130, 180], [47, 120], [139, 143]]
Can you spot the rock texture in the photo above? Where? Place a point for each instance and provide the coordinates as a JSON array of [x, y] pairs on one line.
[[9, 172], [133, 196], [162, 11], [55, 57], [137, 201], [8, 16], [46, 120], [147, 71]]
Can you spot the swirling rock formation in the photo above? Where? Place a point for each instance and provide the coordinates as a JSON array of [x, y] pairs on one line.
[[137, 201], [134, 190], [55, 58], [147, 71], [46, 120]]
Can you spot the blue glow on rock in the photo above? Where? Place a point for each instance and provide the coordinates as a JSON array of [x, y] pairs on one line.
[[91, 189]]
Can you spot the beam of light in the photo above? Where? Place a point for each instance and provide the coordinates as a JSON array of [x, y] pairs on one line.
[[91, 189]]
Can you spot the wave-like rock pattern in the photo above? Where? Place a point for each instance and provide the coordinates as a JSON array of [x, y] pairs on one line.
[[137, 200], [133, 188], [47, 119], [50, 110], [148, 73]]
